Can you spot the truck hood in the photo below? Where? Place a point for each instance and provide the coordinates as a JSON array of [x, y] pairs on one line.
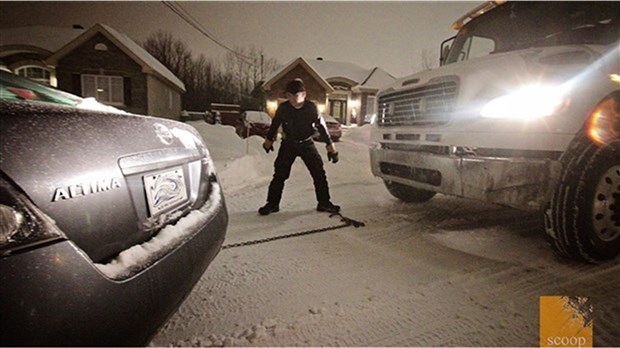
[[484, 78], [84, 168]]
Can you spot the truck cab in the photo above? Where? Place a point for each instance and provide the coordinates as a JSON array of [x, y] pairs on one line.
[[523, 112]]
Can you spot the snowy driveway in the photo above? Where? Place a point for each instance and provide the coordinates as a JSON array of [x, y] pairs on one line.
[[445, 273]]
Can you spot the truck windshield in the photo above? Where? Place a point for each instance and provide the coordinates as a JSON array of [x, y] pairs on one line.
[[521, 25]]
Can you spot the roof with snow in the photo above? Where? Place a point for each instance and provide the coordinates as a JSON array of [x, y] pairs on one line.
[[362, 79], [60, 41], [48, 38], [131, 48]]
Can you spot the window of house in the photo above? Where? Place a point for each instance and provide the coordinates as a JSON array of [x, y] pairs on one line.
[[106, 89], [37, 73], [101, 47], [370, 104]]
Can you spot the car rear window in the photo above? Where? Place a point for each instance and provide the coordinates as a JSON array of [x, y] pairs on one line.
[[17, 88]]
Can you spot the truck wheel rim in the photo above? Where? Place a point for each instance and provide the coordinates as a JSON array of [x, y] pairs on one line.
[[606, 209]]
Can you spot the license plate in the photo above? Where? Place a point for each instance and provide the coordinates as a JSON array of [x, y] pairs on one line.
[[165, 190]]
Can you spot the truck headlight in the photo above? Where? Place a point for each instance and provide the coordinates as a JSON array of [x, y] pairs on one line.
[[528, 103]]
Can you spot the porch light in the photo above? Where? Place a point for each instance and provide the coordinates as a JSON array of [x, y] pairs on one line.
[[272, 105], [321, 108]]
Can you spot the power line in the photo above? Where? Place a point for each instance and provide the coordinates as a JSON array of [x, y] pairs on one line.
[[189, 19]]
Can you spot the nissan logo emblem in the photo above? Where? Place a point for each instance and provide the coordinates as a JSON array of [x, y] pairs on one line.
[[163, 133]]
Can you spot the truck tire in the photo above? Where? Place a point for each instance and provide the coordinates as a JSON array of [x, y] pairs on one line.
[[407, 193], [584, 214]]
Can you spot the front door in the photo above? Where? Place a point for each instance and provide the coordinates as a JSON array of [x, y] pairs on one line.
[[338, 109]]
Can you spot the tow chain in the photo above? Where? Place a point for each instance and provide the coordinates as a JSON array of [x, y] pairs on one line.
[[345, 223]]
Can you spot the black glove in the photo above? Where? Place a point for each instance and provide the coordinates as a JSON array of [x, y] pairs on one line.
[[332, 154], [332, 157], [268, 145]]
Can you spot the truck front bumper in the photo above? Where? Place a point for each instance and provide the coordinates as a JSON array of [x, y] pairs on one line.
[[523, 183]]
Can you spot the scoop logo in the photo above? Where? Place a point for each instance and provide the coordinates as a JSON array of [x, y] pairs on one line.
[[565, 321]]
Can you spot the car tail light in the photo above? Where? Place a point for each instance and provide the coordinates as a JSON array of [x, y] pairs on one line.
[[22, 225]]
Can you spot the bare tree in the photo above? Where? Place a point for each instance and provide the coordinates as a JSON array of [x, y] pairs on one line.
[[428, 60], [171, 52], [249, 67], [230, 81]]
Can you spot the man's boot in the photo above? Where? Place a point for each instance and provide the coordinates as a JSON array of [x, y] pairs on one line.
[[268, 209], [328, 207]]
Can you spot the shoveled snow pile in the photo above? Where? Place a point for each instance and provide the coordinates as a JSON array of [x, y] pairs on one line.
[[239, 162], [359, 135]]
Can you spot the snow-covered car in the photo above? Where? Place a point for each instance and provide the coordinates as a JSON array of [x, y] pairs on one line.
[[253, 123], [107, 219], [334, 128]]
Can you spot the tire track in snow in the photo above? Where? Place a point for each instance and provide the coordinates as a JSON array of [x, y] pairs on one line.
[[394, 319]]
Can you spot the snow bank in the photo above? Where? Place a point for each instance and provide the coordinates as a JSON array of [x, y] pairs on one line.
[[360, 135], [224, 144], [239, 162]]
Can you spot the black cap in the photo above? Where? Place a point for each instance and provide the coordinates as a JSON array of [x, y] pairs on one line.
[[295, 86]]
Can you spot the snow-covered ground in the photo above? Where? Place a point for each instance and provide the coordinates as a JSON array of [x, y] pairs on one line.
[[449, 272]]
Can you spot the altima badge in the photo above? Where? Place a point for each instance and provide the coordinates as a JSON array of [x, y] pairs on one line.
[[86, 188], [163, 133]]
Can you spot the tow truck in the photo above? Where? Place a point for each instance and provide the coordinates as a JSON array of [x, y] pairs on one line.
[[523, 111]]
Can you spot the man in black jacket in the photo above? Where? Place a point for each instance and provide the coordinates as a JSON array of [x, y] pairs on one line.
[[299, 118]]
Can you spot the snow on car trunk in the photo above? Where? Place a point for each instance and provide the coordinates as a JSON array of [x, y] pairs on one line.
[[93, 164]]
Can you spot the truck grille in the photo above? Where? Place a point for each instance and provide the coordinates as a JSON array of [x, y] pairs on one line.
[[427, 176], [431, 104]]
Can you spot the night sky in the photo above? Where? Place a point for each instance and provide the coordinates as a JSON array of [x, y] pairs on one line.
[[391, 35]]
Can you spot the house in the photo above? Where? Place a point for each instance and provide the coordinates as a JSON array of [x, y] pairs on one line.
[[99, 62], [344, 90]]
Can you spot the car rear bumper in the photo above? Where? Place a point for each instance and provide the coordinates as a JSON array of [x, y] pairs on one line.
[[56, 296]]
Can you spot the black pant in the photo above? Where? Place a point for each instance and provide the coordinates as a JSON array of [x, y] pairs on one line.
[[289, 150]]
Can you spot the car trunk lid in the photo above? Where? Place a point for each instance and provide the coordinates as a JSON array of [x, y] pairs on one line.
[[108, 180]]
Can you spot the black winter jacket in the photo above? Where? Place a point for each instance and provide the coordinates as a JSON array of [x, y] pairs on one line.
[[299, 124]]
